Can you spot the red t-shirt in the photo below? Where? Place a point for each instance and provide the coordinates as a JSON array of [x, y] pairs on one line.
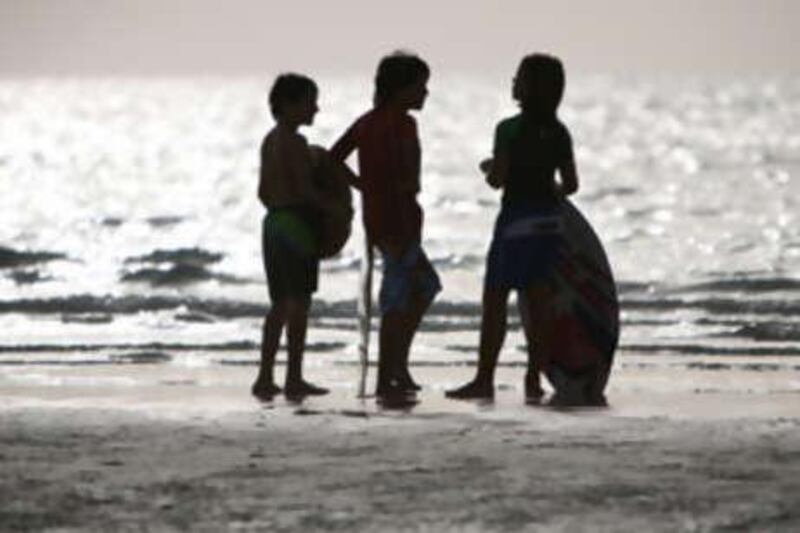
[[389, 168]]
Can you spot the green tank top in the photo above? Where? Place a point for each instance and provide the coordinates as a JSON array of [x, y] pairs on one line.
[[535, 151]]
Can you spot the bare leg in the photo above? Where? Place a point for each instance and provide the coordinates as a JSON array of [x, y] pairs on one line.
[[411, 324], [398, 328], [297, 313], [493, 333], [396, 335], [537, 325], [274, 321], [390, 345]]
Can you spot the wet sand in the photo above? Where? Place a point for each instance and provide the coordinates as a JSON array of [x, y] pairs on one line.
[[165, 448]]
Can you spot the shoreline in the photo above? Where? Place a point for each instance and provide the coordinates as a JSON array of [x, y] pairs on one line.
[[323, 470], [673, 387], [170, 447]]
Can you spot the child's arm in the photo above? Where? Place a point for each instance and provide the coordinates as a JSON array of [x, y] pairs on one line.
[[569, 178], [496, 169], [262, 181], [266, 186], [342, 149], [410, 157], [567, 170]]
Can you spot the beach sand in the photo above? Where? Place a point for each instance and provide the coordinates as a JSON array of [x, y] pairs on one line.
[[154, 447]]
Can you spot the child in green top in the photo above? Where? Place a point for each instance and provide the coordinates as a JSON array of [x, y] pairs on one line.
[[531, 150]]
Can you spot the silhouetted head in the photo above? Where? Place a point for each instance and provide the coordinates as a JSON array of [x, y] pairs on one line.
[[539, 86], [402, 79], [293, 97]]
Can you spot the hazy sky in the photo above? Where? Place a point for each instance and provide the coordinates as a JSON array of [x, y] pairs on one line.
[[253, 36]]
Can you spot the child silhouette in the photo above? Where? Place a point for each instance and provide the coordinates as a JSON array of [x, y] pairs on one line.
[[290, 237], [389, 165], [530, 150]]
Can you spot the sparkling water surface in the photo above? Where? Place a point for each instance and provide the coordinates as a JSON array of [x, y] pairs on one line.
[[129, 223]]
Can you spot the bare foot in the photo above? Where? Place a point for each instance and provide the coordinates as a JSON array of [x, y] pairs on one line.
[[264, 390], [474, 390], [304, 388], [395, 389], [407, 382], [398, 402]]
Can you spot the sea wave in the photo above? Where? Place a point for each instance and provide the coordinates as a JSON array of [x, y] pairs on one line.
[[183, 256], [744, 285], [11, 258], [692, 188], [638, 308], [710, 349], [178, 274], [716, 305], [768, 331]]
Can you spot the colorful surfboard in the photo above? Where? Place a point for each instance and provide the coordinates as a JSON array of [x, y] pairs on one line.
[[584, 313]]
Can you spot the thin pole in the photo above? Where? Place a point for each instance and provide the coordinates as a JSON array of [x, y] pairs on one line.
[[365, 315]]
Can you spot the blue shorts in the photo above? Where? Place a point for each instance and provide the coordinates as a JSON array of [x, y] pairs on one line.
[[410, 274], [524, 248]]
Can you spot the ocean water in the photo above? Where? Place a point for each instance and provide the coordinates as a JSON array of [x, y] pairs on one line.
[[129, 224]]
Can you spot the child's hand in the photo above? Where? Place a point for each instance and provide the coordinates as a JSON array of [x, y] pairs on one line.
[[496, 170], [561, 192]]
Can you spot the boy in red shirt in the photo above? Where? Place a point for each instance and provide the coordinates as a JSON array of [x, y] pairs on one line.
[[389, 180]]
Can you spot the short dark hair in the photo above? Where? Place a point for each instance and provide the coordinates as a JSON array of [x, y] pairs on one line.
[[543, 78], [397, 71], [288, 89]]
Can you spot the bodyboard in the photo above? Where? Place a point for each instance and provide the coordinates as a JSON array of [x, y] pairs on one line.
[[584, 308], [331, 178]]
